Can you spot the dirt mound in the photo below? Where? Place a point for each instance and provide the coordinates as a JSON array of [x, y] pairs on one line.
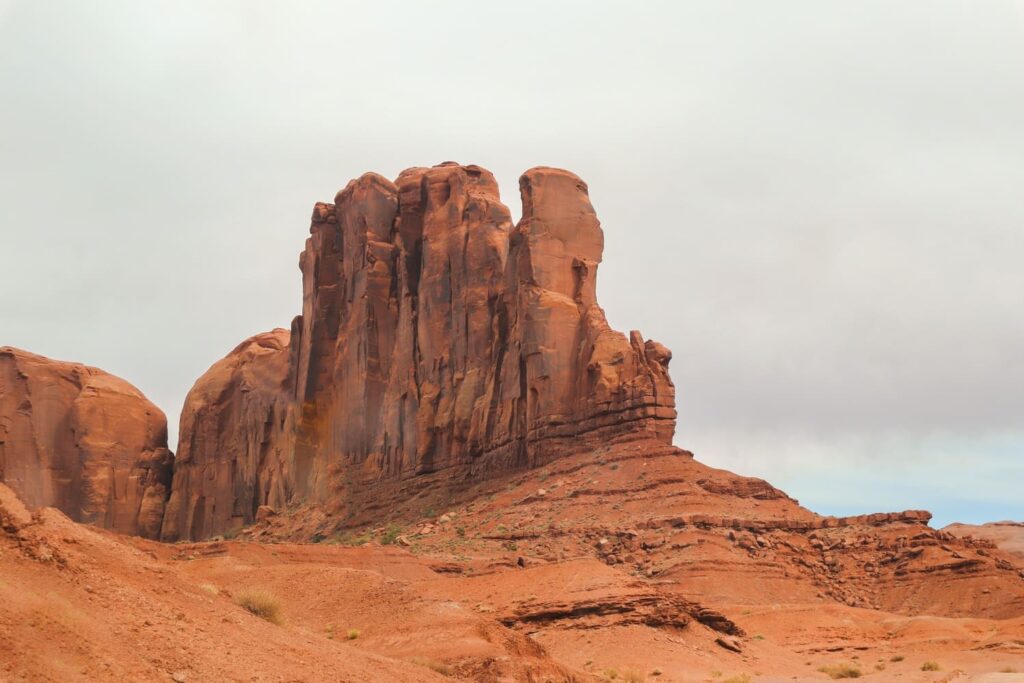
[[82, 604]]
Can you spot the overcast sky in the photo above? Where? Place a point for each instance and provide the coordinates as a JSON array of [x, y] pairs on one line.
[[819, 206]]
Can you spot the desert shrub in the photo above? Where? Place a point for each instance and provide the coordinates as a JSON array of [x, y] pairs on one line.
[[390, 534], [354, 539], [353, 633], [930, 666], [896, 658], [611, 674], [842, 670], [262, 603]]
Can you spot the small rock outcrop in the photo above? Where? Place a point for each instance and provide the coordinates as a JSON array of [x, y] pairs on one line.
[[83, 441], [1006, 535], [437, 339]]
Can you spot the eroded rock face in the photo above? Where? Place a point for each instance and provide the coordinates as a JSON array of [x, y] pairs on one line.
[[436, 338], [234, 450], [83, 441]]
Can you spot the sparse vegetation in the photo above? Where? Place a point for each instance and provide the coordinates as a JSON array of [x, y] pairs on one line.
[[842, 670], [611, 674], [896, 658], [262, 603], [930, 666], [390, 534], [434, 665], [353, 633], [633, 677], [738, 678], [209, 589]]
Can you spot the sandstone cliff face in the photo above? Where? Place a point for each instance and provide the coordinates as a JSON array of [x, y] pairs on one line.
[[436, 338], [83, 441], [234, 450]]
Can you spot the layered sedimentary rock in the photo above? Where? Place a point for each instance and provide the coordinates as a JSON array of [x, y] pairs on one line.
[[435, 337], [83, 441], [1006, 535]]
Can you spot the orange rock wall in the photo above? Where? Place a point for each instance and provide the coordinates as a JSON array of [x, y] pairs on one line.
[[435, 336]]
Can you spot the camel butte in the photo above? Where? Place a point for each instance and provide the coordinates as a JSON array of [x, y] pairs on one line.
[[450, 467]]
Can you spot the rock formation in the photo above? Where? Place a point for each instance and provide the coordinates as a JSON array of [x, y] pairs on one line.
[[436, 338], [83, 441], [234, 449], [1007, 536]]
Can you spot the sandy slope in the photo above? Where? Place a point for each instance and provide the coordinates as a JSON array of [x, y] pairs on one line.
[[634, 561]]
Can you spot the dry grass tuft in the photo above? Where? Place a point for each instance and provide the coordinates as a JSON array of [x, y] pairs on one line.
[[434, 665], [842, 670], [930, 666], [262, 603], [738, 678], [209, 589], [353, 633]]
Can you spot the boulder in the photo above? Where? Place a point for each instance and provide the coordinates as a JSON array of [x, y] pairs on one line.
[[81, 440]]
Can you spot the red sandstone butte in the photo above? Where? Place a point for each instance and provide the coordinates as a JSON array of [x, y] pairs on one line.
[[438, 342], [81, 440]]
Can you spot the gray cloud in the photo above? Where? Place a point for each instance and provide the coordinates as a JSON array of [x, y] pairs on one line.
[[817, 206]]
